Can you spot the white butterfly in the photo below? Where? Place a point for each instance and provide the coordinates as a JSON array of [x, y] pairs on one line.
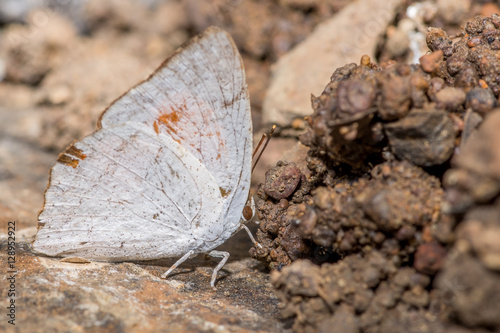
[[167, 172]]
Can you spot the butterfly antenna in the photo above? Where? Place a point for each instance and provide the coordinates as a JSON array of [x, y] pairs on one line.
[[258, 145], [267, 138]]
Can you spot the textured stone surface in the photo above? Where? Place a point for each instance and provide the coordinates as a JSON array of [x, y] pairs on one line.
[[54, 296], [423, 137]]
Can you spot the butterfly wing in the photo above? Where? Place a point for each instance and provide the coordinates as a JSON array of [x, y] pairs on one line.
[[168, 169], [126, 193]]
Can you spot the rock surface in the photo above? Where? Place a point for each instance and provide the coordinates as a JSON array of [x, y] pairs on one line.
[[54, 296]]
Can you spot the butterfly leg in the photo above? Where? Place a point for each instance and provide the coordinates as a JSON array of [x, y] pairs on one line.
[[251, 236], [218, 254], [178, 262]]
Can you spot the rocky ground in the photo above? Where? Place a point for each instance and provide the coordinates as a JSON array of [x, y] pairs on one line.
[[381, 216]]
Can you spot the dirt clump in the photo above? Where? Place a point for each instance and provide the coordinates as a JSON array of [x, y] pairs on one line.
[[394, 229]]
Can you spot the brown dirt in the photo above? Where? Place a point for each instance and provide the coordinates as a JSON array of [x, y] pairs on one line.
[[394, 228]]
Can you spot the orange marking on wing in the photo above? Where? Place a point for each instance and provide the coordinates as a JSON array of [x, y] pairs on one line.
[[169, 119], [72, 150], [65, 159], [219, 137], [71, 156]]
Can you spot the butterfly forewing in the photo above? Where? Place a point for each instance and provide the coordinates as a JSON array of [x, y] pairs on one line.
[[199, 97]]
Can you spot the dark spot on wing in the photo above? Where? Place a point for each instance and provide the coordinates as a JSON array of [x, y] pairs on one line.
[[71, 156], [224, 192]]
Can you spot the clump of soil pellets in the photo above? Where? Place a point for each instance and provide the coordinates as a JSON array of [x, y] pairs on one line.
[[396, 228]]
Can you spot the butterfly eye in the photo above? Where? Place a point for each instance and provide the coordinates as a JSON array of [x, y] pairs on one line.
[[247, 213]]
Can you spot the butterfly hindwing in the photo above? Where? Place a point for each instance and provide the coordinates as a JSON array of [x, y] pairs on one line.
[[128, 193], [168, 169]]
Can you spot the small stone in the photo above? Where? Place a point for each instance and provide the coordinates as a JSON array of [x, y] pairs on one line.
[[430, 62], [424, 137], [282, 180], [467, 77], [480, 100], [450, 98], [429, 258]]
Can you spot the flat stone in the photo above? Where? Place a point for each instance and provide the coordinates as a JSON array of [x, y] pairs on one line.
[[424, 137], [55, 296]]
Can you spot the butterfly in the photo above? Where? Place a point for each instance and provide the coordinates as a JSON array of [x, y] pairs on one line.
[[166, 173]]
